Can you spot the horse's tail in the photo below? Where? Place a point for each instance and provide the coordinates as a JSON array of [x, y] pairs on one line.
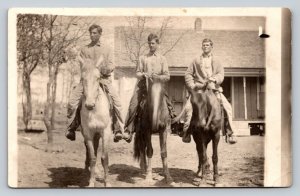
[[139, 145], [141, 123]]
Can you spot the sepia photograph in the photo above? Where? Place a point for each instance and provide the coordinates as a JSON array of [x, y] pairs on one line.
[[139, 98]]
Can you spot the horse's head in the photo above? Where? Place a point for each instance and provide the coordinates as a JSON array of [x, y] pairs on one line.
[[156, 104], [90, 80], [200, 106]]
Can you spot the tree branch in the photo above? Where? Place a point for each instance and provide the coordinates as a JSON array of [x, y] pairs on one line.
[[175, 43]]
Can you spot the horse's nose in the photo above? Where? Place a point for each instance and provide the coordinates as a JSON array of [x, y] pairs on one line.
[[89, 106]]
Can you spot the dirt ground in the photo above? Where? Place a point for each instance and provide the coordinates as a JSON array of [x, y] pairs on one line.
[[240, 165]]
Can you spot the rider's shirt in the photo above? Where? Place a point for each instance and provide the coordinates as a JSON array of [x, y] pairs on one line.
[[93, 52], [153, 63], [199, 70], [206, 61]]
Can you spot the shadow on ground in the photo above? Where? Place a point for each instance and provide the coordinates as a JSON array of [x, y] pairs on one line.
[[131, 175], [63, 177], [126, 173]]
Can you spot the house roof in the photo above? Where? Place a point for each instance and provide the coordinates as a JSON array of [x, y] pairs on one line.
[[234, 48]]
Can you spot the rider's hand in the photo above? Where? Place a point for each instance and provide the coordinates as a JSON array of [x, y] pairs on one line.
[[211, 86], [198, 86], [155, 77], [106, 71], [146, 75], [212, 79]]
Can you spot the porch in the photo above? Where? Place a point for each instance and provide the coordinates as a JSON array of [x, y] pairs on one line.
[[243, 87]]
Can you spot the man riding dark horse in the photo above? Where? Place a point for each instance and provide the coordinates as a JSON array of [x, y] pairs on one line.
[[150, 109], [206, 124], [152, 65], [206, 72]]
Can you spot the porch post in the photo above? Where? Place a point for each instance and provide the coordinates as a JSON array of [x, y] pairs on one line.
[[257, 93], [232, 96], [245, 97]]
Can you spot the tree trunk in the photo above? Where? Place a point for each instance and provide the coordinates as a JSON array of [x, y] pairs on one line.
[[49, 113], [27, 107], [48, 107], [53, 99]]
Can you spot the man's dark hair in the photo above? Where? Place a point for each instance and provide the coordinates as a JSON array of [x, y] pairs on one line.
[[208, 40], [94, 26], [153, 36]]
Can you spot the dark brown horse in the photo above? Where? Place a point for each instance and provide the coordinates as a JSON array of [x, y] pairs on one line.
[[152, 117], [206, 125]]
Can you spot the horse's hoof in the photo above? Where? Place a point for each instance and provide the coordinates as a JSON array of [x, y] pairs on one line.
[[217, 181], [91, 185], [169, 180], [202, 183], [173, 184], [149, 180]]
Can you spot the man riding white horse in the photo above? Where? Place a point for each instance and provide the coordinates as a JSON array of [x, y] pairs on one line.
[[102, 58]]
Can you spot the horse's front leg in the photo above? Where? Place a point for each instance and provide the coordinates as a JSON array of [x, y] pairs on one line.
[[149, 151], [197, 139], [163, 153], [204, 160], [87, 157], [104, 156], [92, 162], [215, 143]]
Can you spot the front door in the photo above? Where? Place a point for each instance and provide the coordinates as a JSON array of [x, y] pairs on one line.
[[176, 92]]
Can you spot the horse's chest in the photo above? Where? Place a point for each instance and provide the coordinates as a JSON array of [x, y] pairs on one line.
[[95, 121]]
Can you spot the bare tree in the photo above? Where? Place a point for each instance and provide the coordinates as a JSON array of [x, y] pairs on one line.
[[30, 46], [73, 71], [61, 35], [135, 36]]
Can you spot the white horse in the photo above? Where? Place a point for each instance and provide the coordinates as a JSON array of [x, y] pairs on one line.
[[95, 121]]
